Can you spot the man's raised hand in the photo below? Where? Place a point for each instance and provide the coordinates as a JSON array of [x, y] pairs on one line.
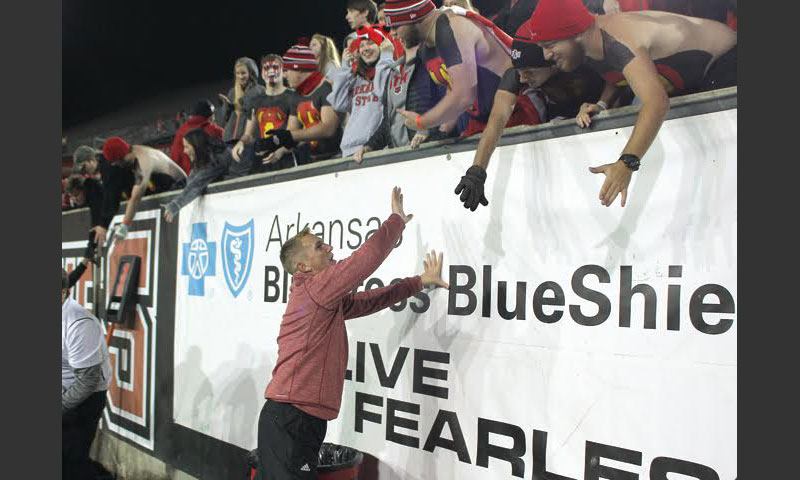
[[397, 205], [432, 276]]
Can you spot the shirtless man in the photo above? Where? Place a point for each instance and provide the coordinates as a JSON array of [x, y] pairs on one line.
[[474, 58], [657, 54], [144, 161]]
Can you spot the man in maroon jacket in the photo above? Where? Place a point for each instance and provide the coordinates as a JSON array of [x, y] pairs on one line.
[[307, 382]]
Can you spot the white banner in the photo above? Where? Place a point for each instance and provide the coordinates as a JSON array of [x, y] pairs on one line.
[[576, 339]]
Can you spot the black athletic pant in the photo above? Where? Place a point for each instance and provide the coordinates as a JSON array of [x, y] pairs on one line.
[[288, 442], [78, 427]]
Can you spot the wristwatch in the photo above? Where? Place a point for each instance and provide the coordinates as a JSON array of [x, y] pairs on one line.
[[630, 160]]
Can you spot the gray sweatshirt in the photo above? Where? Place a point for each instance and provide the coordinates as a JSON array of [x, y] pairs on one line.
[[362, 99]]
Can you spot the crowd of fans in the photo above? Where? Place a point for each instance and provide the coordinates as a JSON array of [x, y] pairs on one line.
[[412, 72]]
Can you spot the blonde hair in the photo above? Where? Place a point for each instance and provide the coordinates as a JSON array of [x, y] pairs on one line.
[[328, 54], [291, 249], [238, 91]]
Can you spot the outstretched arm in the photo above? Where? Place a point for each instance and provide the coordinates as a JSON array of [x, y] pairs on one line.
[[459, 57], [365, 303], [329, 286]]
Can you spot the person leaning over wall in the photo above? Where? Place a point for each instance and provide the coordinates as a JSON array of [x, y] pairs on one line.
[[144, 162], [211, 160], [657, 54]]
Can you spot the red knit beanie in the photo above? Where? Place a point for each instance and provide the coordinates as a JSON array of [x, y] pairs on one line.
[[300, 57], [115, 149], [556, 20], [403, 12]]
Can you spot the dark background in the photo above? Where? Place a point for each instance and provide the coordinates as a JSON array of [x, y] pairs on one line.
[[117, 53]]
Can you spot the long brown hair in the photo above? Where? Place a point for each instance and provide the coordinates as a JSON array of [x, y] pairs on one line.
[[328, 54]]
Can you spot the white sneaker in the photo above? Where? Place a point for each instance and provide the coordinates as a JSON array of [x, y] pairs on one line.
[[305, 468]]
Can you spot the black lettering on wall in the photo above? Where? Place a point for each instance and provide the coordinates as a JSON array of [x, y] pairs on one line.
[[486, 302], [390, 380], [593, 296], [271, 289], [626, 292], [539, 301], [697, 307], [399, 306], [511, 455], [539, 463], [341, 233], [502, 305], [377, 222], [594, 471], [360, 361], [393, 421], [421, 372], [661, 466], [363, 415], [435, 439], [354, 232], [465, 289], [674, 299], [274, 234], [423, 305]]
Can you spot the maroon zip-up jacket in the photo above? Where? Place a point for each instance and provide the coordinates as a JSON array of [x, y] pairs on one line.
[[312, 341]]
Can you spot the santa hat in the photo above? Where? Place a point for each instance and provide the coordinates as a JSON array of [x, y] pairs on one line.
[[556, 20], [404, 12], [300, 57], [115, 149]]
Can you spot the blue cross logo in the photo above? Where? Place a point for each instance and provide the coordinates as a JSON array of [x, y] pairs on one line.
[[199, 258]]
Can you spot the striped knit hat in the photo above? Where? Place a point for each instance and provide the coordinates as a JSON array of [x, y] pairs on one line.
[[300, 57], [404, 12]]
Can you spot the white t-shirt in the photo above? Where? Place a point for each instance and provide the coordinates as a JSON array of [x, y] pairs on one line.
[[83, 344]]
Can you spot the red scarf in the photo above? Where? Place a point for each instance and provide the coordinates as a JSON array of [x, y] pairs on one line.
[[311, 83]]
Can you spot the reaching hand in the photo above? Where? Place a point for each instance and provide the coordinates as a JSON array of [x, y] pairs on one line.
[[587, 111], [432, 276], [236, 151], [419, 137], [410, 118], [397, 205], [471, 188], [121, 231], [618, 177], [275, 156], [99, 235], [358, 157], [265, 146], [168, 216]]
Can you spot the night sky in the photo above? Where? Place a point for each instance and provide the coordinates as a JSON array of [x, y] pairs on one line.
[[117, 52]]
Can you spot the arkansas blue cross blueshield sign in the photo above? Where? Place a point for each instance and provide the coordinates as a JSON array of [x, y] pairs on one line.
[[237, 255]]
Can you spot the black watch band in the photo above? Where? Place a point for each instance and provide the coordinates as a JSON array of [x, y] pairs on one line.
[[630, 160]]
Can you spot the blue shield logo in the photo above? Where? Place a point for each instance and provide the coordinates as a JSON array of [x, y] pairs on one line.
[[237, 248], [199, 256]]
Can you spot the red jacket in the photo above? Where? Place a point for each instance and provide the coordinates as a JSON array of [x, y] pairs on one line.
[[312, 342], [196, 121]]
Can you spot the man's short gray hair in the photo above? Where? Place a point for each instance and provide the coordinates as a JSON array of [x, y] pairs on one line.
[[83, 154]]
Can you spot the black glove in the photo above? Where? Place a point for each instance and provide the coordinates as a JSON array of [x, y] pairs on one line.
[[264, 146], [471, 188], [283, 138]]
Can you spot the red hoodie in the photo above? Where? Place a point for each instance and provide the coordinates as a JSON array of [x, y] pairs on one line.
[[195, 121], [312, 342]]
